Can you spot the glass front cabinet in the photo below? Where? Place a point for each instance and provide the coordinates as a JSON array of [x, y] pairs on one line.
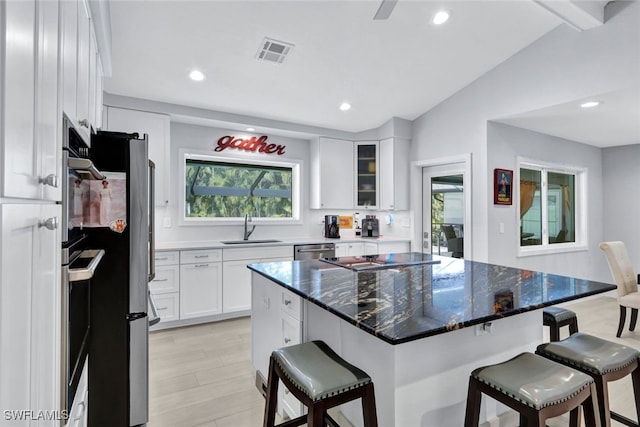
[[367, 185]]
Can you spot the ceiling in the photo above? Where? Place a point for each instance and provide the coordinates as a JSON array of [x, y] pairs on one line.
[[398, 67]]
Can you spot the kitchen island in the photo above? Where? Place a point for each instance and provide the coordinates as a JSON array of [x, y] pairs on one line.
[[418, 330]]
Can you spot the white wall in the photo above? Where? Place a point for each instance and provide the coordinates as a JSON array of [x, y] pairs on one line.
[[504, 144], [621, 198], [203, 138], [561, 66]]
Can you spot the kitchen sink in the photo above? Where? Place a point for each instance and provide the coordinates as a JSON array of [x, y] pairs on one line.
[[240, 242]]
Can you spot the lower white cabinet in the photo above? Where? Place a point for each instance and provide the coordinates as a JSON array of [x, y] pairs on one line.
[[371, 248], [168, 306], [80, 407], [30, 301], [200, 284], [349, 249], [393, 247], [236, 277], [165, 287]]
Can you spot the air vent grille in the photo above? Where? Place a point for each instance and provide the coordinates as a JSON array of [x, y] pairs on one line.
[[273, 50]]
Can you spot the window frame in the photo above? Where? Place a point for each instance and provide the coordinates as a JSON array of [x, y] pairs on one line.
[[581, 207], [296, 193]]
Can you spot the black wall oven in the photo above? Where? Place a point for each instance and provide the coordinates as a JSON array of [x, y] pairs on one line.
[[79, 263]]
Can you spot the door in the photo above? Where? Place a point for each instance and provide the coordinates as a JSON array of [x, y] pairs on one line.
[[443, 210]]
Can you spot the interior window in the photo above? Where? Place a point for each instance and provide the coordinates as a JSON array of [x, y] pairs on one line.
[[218, 189], [549, 212]]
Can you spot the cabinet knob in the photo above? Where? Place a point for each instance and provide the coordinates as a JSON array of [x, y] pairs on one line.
[[51, 180], [287, 340], [49, 223], [201, 265], [84, 123], [287, 302]]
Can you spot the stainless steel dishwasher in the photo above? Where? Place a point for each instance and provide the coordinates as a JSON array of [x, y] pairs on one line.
[[314, 251]]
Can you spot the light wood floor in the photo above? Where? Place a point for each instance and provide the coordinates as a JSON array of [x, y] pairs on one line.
[[202, 375]]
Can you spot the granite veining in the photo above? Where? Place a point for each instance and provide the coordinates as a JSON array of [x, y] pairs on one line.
[[403, 304]]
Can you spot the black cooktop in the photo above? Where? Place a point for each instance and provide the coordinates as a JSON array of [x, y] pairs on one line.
[[379, 262]]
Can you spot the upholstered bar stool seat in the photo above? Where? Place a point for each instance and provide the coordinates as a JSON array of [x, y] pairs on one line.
[[605, 361], [320, 379], [535, 387], [557, 317]]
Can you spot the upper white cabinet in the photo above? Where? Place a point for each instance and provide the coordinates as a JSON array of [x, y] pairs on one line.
[[366, 166], [332, 174], [81, 68], [394, 174], [157, 126], [29, 106], [30, 308]]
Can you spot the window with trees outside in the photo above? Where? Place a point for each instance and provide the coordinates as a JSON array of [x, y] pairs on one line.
[[219, 188], [551, 207]]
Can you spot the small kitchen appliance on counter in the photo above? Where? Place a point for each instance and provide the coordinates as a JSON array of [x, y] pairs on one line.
[[331, 227], [370, 226]]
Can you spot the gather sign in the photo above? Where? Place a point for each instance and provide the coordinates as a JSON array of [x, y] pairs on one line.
[[252, 144]]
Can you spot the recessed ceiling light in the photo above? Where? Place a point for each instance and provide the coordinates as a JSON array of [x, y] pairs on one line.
[[345, 106], [440, 17], [590, 104], [196, 75], [251, 129]]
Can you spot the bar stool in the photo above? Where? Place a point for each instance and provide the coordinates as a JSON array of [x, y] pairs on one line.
[[535, 387], [557, 317], [320, 379], [603, 360]]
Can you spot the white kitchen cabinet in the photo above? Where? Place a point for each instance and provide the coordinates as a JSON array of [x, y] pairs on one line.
[[200, 283], [83, 70], [393, 247], [165, 287], [29, 105], [157, 126], [236, 277], [366, 168], [168, 306], [394, 174], [30, 307], [370, 248], [350, 249], [79, 412], [69, 56], [332, 174]]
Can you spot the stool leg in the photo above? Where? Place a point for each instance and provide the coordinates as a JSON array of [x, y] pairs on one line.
[[272, 396], [623, 316], [369, 407], [523, 421], [602, 393], [635, 378], [554, 333], [315, 417], [590, 409], [634, 319], [474, 398], [573, 326]]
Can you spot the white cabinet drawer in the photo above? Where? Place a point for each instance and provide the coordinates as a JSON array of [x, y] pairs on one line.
[[291, 304], [262, 253], [167, 258], [167, 280], [291, 329], [168, 306], [197, 257]]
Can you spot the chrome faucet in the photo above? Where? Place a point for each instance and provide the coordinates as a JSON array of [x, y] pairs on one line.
[[247, 233]]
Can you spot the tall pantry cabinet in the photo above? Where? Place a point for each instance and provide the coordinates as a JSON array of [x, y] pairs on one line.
[[33, 76]]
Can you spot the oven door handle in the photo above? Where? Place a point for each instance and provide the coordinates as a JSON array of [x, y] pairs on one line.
[[78, 274], [85, 165]]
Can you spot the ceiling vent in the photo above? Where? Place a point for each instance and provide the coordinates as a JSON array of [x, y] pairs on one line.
[[273, 50]]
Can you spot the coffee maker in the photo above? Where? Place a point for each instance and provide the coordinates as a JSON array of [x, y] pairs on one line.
[[331, 227], [370, 226]]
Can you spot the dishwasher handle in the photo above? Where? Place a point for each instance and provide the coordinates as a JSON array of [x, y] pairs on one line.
[[325, 249]]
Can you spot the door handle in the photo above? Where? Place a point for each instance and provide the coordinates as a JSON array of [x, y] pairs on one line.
[[78, 274]]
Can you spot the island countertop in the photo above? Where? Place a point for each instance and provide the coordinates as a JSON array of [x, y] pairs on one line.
[[406, 303]]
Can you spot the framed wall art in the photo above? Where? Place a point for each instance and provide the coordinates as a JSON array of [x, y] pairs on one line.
[[502, 187]]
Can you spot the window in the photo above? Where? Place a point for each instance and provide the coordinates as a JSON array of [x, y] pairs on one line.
[[551, 207], [224, 189]]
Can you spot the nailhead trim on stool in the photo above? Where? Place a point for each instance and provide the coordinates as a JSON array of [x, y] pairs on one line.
[[320, 379], [535, 387], [557, 317], [605, 361]]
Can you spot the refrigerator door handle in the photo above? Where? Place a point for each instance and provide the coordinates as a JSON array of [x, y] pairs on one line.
[[152, 221], [153, 318]]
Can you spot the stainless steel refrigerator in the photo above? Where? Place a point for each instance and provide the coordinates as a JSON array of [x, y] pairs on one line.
[[122, 224]]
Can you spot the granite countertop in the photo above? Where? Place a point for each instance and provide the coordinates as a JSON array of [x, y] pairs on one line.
[[403, 304], [214, 244]]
